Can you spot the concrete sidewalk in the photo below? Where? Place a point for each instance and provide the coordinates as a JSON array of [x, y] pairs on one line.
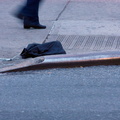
[[82, 26], [88, 26]]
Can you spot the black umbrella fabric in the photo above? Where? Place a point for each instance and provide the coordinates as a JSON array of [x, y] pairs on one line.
[[35, 49]]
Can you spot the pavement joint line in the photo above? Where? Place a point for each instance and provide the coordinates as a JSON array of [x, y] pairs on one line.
[[63, 10]]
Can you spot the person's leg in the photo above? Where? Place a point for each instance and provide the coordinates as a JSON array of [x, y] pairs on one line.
[[31, 8], [29, 13]]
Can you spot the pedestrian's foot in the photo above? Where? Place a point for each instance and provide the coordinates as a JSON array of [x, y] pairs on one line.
[[35, 26], [31, 22]]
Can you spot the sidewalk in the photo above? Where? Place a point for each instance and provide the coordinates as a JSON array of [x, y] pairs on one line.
[[88, 26], [81, 26]]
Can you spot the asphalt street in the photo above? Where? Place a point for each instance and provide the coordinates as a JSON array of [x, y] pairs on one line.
[[90, 93]]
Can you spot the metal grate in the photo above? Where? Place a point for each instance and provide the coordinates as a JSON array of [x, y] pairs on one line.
[[89, 42], [98, 43], [118, 43]]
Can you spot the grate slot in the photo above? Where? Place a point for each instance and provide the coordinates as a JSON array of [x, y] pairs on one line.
[[69, 40], [109, 42], [79, 42], [89, 42], [73, 42], [61, 38], [99, 42], [118, 43]]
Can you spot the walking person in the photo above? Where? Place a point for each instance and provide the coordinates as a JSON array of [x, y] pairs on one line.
[[29, 14]]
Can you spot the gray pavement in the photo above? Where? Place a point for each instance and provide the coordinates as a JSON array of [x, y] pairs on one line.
[[82, 26]]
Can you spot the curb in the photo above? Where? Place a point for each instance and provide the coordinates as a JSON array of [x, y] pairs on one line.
[[66, 61]]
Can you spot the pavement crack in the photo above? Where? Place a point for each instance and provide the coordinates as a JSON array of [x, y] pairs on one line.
[[62, 10]]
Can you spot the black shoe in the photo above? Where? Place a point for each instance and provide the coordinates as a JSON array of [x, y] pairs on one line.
[[32, 23], [35, 26]]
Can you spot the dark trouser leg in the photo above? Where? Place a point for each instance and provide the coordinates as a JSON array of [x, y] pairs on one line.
[[30, 14], [31, 8]]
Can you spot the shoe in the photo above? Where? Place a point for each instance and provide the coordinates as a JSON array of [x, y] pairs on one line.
[[32, 23], [35, 26]]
